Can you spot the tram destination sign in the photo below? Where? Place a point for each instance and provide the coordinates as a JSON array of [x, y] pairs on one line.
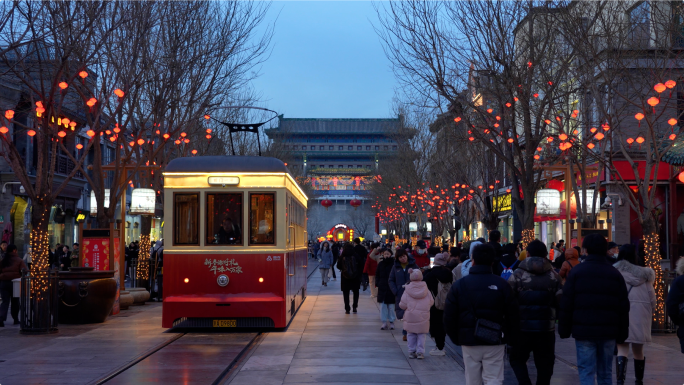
[[224, 180]]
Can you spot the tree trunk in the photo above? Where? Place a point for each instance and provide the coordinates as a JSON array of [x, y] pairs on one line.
[[652, 260], [38, 317]]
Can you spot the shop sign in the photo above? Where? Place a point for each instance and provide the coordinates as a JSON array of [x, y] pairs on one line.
[[224, 180], [81, 215], [96, 253], [502, 203], [592, 177]]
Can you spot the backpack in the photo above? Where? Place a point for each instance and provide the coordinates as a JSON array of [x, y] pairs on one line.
[[442, 292], [508, 271], [351, 269]]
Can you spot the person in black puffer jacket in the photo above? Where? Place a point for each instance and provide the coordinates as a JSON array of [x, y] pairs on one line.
[[481, 295], [675, 301], [538, 289], [595, 311], [432, 277], [351, 281], [385, 296]]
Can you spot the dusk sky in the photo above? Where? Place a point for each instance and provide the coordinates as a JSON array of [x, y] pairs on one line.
[[327, 62]]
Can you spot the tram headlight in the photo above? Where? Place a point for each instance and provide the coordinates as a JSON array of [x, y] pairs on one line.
[[261, 280], [186, 280]]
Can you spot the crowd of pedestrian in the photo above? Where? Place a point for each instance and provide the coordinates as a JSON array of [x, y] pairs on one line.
[[491, 299]]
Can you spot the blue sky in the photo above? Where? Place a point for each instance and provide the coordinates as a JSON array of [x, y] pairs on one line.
[[327, 62]]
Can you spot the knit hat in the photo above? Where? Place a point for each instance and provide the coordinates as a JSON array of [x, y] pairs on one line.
[[416, 275], [441, 259]]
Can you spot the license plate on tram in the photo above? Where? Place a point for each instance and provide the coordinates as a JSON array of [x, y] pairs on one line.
[[225, 323]]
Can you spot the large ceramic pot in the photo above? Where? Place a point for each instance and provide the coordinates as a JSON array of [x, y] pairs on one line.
[[85, 295]]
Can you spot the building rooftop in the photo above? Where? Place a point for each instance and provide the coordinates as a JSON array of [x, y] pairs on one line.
[[336, 126]]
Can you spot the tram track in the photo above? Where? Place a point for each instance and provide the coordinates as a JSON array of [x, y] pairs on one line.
[[183, 344]]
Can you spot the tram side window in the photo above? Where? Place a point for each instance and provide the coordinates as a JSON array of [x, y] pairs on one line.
[[261, 212], [186, 218], [224, 219]]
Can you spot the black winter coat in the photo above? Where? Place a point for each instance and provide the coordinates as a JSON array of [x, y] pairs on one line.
[[353, 283], [489, 296], [382, 275], [675, 299], [537, 288], [594, 305], [398, 278]]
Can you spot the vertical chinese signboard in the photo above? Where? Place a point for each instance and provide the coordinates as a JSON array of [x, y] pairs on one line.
[[101, 250]]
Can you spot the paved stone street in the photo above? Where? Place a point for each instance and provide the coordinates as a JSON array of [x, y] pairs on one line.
[[322, 345]]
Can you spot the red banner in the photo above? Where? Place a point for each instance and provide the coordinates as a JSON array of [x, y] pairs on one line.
[[624, 168], [96, 253]]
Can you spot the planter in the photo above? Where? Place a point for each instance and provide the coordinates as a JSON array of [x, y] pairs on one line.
[[125, 300], [85, 295], [140, 295]]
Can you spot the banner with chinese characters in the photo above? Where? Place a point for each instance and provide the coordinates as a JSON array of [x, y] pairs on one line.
[[96, 253]]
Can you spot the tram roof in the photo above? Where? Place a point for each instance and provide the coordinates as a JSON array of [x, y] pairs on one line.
[[227, 164]]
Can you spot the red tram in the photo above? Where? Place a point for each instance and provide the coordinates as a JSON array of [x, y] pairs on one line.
[[235, 252]]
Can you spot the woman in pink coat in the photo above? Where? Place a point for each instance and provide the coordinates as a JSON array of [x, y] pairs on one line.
[[642, 303], [416, 301]]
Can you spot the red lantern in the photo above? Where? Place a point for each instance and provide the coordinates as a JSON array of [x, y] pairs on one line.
[[660, 87], [79, 146], [90, 133], [600, 136], [640, 140], [510, 140], [186, 140], [562, 137], [590, 146], [141, 141], [508, 104], [183, 134], [131, 144], [653, 101], [672, 136], [549, 139], [61, 134], [326, 203], [672, 121], [63, 85], [4, 130], [355, 203], [681, 177], [207, 117], [639, 116], [9, 114], [194, 152], [208, 136], [83, 74], [119, 93], [457, 119], [670, 84], [166, 136], [630, 141], [31, 133]]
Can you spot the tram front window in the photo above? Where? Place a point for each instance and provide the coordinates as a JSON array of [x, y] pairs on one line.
[[224, 217]]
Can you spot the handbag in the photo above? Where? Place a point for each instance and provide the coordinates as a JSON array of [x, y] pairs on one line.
[[486, 331]]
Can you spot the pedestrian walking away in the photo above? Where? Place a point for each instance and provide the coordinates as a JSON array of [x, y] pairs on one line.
[[336, 254], [595, 311], [325, 260], [438, 280], [537, 288], [399, 278], [571, 260], [385, 296], [351, 266], [642, 305], [675, 302], [11, 267], [416, 303], [463, 268], [481, 315]]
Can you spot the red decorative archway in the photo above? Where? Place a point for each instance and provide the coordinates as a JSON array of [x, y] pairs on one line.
[[340, 233]]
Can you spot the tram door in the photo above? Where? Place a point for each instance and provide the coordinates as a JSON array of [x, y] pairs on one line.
[[291, 258]]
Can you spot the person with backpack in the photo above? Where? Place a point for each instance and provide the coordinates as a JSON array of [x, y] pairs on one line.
[[416, 303], [481, 315], [571, 260], [438, 280], [509, 261], [351, 266], [538, 289], [399, 278], [463, 268], [384, 293]]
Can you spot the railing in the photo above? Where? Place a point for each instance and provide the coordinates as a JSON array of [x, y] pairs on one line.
[[39, 312]]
